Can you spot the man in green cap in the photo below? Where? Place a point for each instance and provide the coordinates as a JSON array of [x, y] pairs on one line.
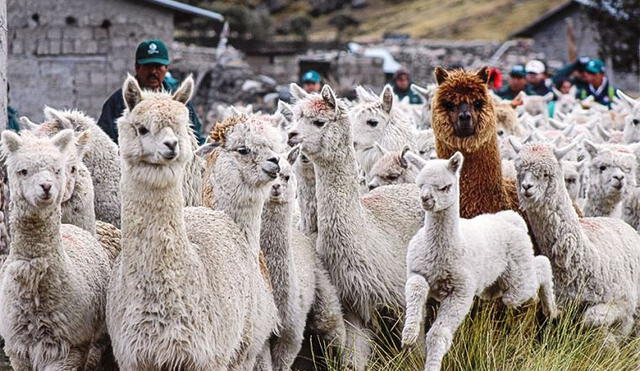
[[152, 64], [517, 83], [598, 84], [311, 82]]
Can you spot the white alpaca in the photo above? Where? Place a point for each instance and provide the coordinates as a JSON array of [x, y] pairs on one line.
[[184, 293], [305, 174], [595, 261], [392, 168], [564, 102], [377, 119], [53, 283], [611, 174], [362, 241], [291, 259], [572, 173], [453, 260], [426, 144], [631, 132]]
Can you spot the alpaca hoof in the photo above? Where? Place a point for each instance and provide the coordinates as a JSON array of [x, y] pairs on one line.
[[409, 337]]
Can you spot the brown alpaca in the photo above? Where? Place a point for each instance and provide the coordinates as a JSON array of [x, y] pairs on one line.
[[463, 119]]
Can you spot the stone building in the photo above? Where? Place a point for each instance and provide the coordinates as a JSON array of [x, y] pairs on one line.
[[75, 53]]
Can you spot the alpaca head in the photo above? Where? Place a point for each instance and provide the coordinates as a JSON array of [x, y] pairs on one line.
[[565, 102], [462, 110], [438, 183], [320, 124], [35, 167], [154, 133], [571, 171], [283, 189], [535, 104], [611, 169], [632, 123], [246, 150], [392, 168], [539, 173], [371, 116], [506, 120]]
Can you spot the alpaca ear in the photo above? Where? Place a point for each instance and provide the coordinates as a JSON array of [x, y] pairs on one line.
[[63, 140], [483, 74], [590, 147], [548, 97], [329, 97], [517, 147], [206, 148], [403, 160], [441, 75], [184, 92], [556, 124], [362, 94], [380, 148], [387, 98], [423, 92], [285, 110], [292, 156], [604, 134], [82, 143], [455, 162], [11, 141], [557, 92], [26, 124], [297, 92], [414, 160], [627, 98], [561, 152], [58, 117], [131, 92]]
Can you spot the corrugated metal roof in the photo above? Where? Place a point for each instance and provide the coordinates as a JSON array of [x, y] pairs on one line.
[[186, 8]]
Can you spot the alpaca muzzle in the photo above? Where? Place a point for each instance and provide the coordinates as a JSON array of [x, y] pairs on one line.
[[464, 126]]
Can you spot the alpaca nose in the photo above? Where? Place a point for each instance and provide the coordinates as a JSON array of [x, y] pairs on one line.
[[275, 160], [46, 187], [526, 186], [464, 116], [276, 187], [619, 178], [294, 138], [171, 144], [372, 186]]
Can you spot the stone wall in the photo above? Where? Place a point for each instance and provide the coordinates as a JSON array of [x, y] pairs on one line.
[[66, 53]]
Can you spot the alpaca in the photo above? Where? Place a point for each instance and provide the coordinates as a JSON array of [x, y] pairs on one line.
[[595, 261], [464, 120], [453, 260], [564, 102], [423, 121], [377, 119], [53, 282], [365, 259], [611, 174], [426, 144], [173, 300], [291, 259], [507, 120], [571, 171], [535, 104], [392, 168], [631, 130], [305, 173]]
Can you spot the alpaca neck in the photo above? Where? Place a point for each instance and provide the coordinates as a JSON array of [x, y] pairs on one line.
[[601, 204], [481, 189], [35, 233], [442, 228], [275, 243], [306, 195], [245, 211]]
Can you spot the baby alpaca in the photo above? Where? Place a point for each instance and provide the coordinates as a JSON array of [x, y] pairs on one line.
[[392, 168], [452, 260], [53, 283]]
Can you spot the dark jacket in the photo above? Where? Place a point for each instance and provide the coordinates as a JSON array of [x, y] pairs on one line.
[[540, 89], [114, 106], [12, 123], [413, 97], [507, 93], [604, 95]]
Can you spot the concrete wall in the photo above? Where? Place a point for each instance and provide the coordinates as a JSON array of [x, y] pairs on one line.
[[75, 53]]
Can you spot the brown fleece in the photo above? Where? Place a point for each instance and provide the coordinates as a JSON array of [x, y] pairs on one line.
[[482, 187]]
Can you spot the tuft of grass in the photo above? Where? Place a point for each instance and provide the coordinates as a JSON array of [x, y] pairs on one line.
[[494, 338]]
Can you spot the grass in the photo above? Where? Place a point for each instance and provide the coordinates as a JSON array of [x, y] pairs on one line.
[[492, 339]]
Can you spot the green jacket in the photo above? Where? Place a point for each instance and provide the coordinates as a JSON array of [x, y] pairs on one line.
[[12, 122], [114, 106]]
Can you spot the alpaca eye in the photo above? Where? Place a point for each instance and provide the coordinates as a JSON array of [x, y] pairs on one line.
[[142, 130], [73, 169], [478, 104], [636, 121], [286, 178], [500, 132], [244, 150], [318, 123], [372, 123], [57, 171], [447, 105], [422, 152], [23, 172], [393, 176], [445, 188], [603, 168]]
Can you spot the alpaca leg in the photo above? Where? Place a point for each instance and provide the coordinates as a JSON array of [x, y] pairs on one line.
[[544, 277], [520, 278], [614, 319], [73, 362], [453, 310], [17, 363], [357, 342], [326, 311], [285, 347], [416, 291], [263, 362]]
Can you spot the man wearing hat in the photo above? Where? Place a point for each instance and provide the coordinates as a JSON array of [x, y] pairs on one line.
[[311, 82], [517, 83], [152, 64], [402, 86], [536, 78], [598, 84], [574, 72]]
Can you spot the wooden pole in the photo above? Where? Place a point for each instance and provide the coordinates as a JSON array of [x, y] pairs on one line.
[[4, 50]]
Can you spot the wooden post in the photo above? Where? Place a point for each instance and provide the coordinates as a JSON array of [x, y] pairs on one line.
[[571, 42], [4, 50]]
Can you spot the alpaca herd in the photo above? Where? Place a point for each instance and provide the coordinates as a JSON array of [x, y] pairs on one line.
[[316, 219]]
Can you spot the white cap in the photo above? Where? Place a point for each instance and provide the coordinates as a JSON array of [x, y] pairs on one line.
[[534, 66]]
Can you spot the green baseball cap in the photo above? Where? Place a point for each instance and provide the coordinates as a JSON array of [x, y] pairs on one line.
[[595, 66], [152, 51], [311, 76], [518, 70]]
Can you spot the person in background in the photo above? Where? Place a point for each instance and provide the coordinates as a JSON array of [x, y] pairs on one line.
[[12, 114], [517, 83], [151, 66], [537, 83], [311, 82], [598, 84], [564, 86], [401, 85], [574, 72]]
